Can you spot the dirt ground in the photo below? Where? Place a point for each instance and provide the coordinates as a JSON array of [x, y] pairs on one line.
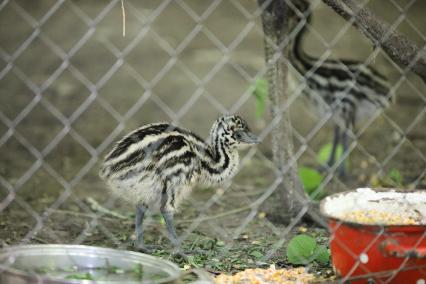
[[211, 73]]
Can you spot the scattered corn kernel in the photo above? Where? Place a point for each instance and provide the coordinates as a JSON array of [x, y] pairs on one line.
[[267, 276], [364, 164], [378, 217], [302, 229]]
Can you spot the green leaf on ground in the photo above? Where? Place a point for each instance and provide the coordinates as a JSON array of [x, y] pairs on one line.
[[303, 249], [256, 254], [311, 179], [325, 151], [300, 249], [260, 91], [322, 255], [395, 176]]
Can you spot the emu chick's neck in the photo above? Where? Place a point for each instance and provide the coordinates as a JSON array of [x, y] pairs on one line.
[[221, 165]]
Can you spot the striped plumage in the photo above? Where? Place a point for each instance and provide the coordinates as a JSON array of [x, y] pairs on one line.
[[351, 91], [157, 165]]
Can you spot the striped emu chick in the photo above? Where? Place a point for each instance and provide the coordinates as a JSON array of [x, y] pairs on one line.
[[157, 165], [351, 91]]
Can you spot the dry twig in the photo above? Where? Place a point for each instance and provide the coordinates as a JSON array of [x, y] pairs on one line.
[[95, 206]]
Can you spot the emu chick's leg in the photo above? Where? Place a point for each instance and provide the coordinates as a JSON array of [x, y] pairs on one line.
[[140, 214], [168, 215], [342, 166], [177, 251], [168, 218], [336, 136]]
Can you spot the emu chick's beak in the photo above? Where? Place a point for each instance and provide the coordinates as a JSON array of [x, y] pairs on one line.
[[248, 138]]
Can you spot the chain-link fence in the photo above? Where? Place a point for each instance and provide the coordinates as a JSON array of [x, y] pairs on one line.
[[72, 85]]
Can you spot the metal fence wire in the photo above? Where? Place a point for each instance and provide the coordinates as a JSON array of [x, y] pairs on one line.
[[71, 85]]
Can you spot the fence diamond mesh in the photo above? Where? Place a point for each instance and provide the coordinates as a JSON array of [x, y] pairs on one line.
[[72, 85]]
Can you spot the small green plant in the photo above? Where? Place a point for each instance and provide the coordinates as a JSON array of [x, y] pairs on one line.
[[303, 249], [395, 177], [256, 254], [260, 91], [311, 180], [325, 151], [80, 276]]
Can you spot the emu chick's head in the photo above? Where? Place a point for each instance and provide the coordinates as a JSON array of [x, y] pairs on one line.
[[232, 131]]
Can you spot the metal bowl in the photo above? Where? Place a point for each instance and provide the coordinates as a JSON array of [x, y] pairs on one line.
[[50, 264]]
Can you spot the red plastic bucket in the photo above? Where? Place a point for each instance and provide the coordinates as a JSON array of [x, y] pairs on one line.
[[373, 253]]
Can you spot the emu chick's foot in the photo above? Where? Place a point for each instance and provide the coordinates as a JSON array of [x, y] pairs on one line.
[[149, 249], [179, 253]]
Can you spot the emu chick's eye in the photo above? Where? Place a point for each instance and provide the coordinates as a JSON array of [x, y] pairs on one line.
[[238, 135]]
